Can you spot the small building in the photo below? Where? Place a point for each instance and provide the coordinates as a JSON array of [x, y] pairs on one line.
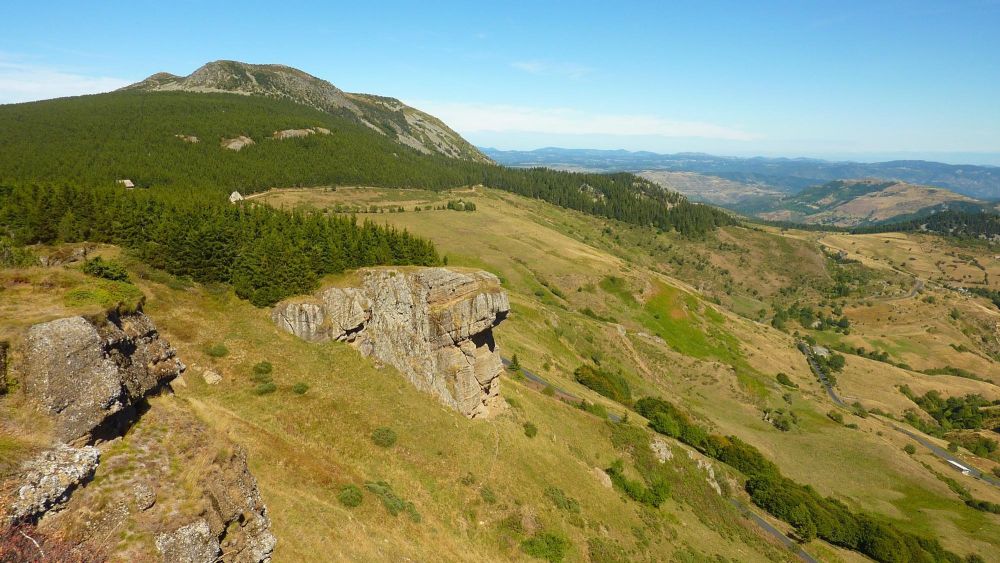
[[235, 197], [129, 184]]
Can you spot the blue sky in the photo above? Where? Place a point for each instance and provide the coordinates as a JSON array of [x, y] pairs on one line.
[[861, 80]]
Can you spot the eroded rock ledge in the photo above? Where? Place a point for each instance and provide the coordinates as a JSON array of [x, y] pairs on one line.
[[84, 373], [433, 324]]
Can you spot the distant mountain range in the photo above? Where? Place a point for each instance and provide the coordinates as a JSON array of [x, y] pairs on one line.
[[789, 175], [388, 116]]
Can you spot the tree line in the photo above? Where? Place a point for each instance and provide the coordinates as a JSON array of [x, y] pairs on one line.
[[265, 253], [811, 514]]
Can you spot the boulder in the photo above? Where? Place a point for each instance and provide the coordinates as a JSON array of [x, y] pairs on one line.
[[84, 373], [238, 517], [237, 143], [48, 480], [432, 324], [193, 543]]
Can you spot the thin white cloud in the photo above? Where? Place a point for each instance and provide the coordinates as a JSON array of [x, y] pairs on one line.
[[25, 82], [544, 68], [477, 118]]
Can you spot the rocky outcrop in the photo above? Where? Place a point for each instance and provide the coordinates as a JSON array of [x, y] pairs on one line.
[[236, 143], [238, 518], [296, 133], [84, 374], [434, 325], [48, 480], [193, 543]]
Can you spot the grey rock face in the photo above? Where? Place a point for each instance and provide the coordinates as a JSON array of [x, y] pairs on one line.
[[434, 325], [193, 543], [83, 374], [238, 518], [49, 479]]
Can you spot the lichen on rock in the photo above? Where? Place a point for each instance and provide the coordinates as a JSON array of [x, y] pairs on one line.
[[84, 373], [47, 480], [433, 324]]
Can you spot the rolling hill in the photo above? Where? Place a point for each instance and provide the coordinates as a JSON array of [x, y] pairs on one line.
[[852, 203]]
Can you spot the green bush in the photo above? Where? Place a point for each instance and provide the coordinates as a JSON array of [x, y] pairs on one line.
[[562, 502], [546, 545], [217, 350], [654, 495], [783, 379], [262, 368], [350, 496], [549, 391], [109, 270], [530, 430], [606, 551], [910, 449], [300, 388], [391, 501], [384, 437], [265, 388], [611, 385]]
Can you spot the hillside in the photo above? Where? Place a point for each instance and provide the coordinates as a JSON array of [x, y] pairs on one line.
[[630, 304], [852, 203], [780, 174], [388, 116], [214, 143], [710, 189]]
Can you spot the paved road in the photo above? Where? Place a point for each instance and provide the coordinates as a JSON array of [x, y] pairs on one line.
[[934, 448], [767, 527], [744, 509]]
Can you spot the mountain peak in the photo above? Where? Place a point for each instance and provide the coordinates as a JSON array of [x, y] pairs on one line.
[[408, 126]]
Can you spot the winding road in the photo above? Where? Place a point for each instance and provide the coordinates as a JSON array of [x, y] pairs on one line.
[[923, 441], [743, 508]]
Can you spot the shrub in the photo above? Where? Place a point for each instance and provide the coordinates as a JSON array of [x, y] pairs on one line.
[[391, 501], [653, 495], [606, 551], [562, 502], [549, 391], [530, 430], [109, 270], [265, 388], [384, 437], [783, 379], [300, 388], [217, 350], [350, 496], [546, 545], [262, 368], [611, 385], [910, 449]]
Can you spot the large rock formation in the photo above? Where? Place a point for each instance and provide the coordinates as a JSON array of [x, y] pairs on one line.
[[84, 373], [434, 325], [49, 479]]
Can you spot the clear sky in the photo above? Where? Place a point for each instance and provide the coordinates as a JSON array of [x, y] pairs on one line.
[[862, 80]]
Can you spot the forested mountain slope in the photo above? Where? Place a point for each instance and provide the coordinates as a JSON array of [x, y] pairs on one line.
[[405, 125], [161, 140]]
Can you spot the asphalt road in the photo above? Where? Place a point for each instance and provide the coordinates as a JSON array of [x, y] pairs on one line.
[[744, 509], [934, 448]]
